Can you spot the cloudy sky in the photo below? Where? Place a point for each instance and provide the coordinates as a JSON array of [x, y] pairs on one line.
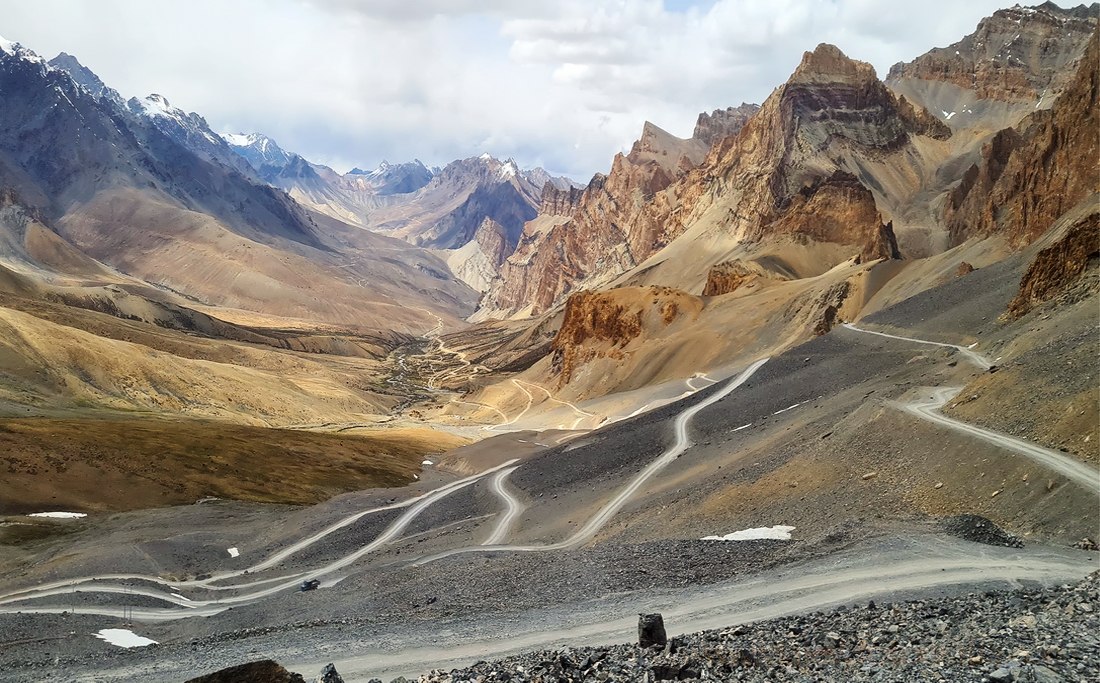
[[559, 83]]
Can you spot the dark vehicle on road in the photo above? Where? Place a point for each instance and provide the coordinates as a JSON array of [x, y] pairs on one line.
[[309, 585]]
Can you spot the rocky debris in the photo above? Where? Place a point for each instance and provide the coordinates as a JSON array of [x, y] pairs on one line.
[[1018, 53], [720, 124], [978, 529], [1086, 544], [1058, 266], [651, 630], [330, 675], [1033, 174], [264, 671], [1047, 635], [964, 269]]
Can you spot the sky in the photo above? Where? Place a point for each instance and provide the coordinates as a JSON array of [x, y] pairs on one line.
[[562, 84]]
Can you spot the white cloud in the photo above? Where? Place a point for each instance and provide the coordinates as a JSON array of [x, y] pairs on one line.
[[562, 84]]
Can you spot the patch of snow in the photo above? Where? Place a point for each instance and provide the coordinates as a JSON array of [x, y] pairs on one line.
[[508, 170], [123, 637], [946, 115], [427, 462], [210, 137], [233, 552], [237, 139], [787, 408], [7, 46], [156, 105], [59, 515], [778, 533], [956, 52], [485, 156]]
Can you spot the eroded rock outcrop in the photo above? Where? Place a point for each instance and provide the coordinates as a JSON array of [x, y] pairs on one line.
[[1058, 266], [610, 229], [603, 324], [1019, 53], [722, 123], [777, 175], [1031, 175], [729, 276]]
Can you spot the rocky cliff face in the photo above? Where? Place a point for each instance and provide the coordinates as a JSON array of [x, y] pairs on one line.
[[722, 123], [610, 228], [777, 175], [1020, 53], [563, 201], [1031, 175], [1058, 266], [603, 324]]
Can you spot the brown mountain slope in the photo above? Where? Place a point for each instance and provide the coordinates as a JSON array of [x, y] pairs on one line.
[[1031, 175]]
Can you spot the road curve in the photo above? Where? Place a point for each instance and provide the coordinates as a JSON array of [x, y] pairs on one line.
[[601, 518], [1076, 471], [195, 607], [513, 508], [971, 355]]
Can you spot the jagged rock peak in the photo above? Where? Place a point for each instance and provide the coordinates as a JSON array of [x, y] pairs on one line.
[[722, 123], [559, 201], [827, 63]]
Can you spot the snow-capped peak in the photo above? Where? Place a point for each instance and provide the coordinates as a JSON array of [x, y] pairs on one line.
[[485, 156], [158, 105], [509, 169], [239, 139], [10, 47]]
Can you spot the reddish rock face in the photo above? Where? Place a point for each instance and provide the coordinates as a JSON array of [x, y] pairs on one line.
[[602, 324], [1015, 54], [1031, 175], [609, 230]]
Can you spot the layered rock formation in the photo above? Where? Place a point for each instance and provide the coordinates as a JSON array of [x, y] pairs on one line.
[[797, 166], [1019, 53], [1031, 175], [1058, 266], [722, 123], [610, 229]]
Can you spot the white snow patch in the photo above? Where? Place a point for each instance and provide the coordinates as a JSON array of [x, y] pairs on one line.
[[237, 139], [233, 552], [788, 408], [508, 170], [947, 116], [485, 156], [59, 515], [156, 105], [7, 45], [778, 533], [427, 462], [123, 637]]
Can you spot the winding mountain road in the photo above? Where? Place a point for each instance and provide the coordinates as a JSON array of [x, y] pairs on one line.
[[1075, 470], [611, 508], [967, 351], [513, 507]]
